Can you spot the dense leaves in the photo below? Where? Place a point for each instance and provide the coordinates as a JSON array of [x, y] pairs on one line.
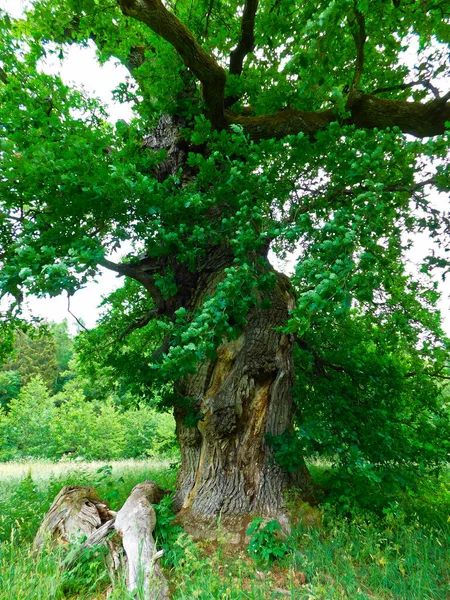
[[71, 425], [341, 200]]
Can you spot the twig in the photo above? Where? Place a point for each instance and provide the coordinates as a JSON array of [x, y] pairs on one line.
[[208, 15], [406, 86], [80, 323]]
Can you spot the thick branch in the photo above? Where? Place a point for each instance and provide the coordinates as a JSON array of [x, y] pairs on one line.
[[367, 112], [138, 272], [212, 77], [247, 41]]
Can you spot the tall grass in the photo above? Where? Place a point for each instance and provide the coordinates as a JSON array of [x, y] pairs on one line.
[[357, 556]]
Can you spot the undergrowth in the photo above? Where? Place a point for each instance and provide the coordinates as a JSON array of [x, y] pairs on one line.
[[348, 551]]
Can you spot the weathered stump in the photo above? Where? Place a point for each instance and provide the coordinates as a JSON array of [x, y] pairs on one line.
[[76, 512], [79, 512]]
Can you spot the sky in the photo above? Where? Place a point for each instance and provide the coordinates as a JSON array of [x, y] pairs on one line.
[[81, 68]]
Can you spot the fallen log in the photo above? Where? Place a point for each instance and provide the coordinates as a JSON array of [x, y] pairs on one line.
[[79, 512], [135, 523]]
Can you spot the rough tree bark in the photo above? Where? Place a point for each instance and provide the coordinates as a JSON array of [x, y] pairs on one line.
[[244, 394]]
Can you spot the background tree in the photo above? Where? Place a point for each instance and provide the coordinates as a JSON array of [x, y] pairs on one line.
[[34, 354], [282, 128], [27, 429], [10, 384], [43, 351]]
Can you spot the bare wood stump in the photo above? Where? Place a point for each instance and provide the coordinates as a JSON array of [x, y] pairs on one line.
[[76, 512], [79, 511]]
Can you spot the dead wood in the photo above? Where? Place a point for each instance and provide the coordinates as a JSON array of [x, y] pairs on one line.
[[135, 523], [76, 512], [79, 512]]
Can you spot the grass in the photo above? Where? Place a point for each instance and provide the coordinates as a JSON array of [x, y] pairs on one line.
[[43, 469], [401, 555]]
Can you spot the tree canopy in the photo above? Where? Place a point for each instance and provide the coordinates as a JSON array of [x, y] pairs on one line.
[[290, 126]]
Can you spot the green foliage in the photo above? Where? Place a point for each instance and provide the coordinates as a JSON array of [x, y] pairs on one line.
[[348, 201], [366, 400], [34, 354], [265, 543], [89, 575], [10, 384], [104, 478], [27, 428], [69, 424], [45, 351], [168, 535], [288, 450]]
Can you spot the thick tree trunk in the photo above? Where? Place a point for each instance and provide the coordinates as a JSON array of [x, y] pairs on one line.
[[228, 467]]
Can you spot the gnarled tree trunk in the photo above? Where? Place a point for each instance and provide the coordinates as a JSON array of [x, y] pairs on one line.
[[228, 468]]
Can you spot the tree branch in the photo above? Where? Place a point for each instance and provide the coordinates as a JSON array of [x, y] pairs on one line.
[[140, 272], [443, 99], [3, 76], [165, 24], [208, 16], [367, 112], [245, 45], [406, 86], [247, 40], [359, 35]]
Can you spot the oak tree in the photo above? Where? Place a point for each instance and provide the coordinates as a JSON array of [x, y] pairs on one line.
[[263, 129]]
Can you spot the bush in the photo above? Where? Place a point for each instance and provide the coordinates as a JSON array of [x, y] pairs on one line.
[[28, 426], [68, 423]]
